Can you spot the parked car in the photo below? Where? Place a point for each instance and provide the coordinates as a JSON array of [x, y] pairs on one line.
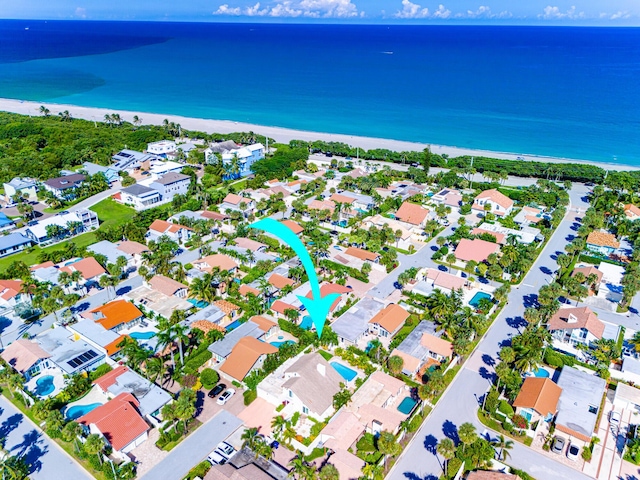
[[614, 418], [224, 398], [63, 212], [217, 458], [217, 390], [397, 285], [225, 449], [558, 445], [572, 452]]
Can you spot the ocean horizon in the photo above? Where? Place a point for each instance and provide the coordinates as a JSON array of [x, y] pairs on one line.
[[549, 91]]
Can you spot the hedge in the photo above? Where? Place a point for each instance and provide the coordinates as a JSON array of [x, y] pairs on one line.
[[504, 407], [196, 361], [209, 378], [249, 396]]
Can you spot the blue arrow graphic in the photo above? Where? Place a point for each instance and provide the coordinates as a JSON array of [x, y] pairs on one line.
[[317, 306]]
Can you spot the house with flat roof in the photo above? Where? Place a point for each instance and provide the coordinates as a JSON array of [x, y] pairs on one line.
[[104, 341], [579, 402], [306, 382], [26, 357], [353, 324], [538, 399], [119, 423], [161, 147], [211, 314], [388, 321], [573, 326], [116, 315], [476, 250], [26, 187], [64, 187], [526, 235], [177, 233], [69, 354], [85, 219], [131, 251], [448, 197], [129, 160], [13, 243], [603, 242], [528, 215], [238, 160], [434, 279], [499, 203]]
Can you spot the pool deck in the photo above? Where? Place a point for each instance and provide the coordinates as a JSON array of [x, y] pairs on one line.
[[469, 294], [359, 373], [58, 382], [94, 396]]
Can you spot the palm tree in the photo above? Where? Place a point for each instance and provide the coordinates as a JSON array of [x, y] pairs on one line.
[[65, 116], [155, 368], [635, 341], [388, 445], [329, 472], [298, 467], [93, 445], [467, 434], [395, 364], [447, 450], [249, 438], [504, 445], [166, 339], [278, 424], [44, 110], [373, 471], [180, 335]]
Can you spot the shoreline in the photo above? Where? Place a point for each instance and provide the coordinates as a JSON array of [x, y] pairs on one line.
[[284, 135]]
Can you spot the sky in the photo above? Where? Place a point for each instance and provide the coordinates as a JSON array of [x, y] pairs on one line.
[[528, 12]]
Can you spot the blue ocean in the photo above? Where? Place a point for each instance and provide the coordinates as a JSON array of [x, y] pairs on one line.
[[564, 92]]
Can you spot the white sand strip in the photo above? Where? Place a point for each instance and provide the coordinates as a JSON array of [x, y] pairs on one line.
[[283, 135]]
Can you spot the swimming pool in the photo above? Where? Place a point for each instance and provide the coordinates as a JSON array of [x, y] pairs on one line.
[[198, 303], [306, 323], [279, 344], [77, 411], [542, 373], [233, 325], [475, 301], [406, 405], [44, 385], [345, 372], [142, 335]]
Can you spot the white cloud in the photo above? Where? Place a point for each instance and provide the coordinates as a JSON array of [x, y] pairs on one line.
[[484, 12], [226, 10], [554, 13], [411, 10], [441, 12], [81, 12], [620, 15], [297, 8]]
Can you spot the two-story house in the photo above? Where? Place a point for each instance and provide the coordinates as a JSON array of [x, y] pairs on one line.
[[140, 197], [602, 242], [116, 315], [236, 203], [171, 184], [575, 326], [26, 357], [388, 321], [25, 187], [64, 187], [178, 233], [499, 203]]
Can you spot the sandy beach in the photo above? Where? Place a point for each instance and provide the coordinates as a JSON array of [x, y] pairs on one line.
[[283, 135]]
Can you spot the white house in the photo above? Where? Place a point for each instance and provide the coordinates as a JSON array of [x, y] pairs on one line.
[[175, 232], [37, 231], [500, 204], [161, 147], [21, 186], [235, 202], [171, 184], [575, 326], [139, 197], [64, 187]]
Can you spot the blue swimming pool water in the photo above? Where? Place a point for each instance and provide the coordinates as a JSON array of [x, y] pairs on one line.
[[542, 373], [72, 262], [407, 405], [475, 301], [345, 372], [279, 344], [306, 323], [142, 335], [233, 325], [77, 411], [44, 385], [198, 303]]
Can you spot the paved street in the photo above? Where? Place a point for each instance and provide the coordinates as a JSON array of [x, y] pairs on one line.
[[459, 404], [48, 461], [12, 329], [194, 448]]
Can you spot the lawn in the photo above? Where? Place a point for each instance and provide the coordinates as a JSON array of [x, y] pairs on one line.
[[109, 212]]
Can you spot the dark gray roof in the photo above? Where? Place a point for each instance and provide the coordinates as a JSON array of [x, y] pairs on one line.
[[172, 177], [223, 347], [68, 181], [137, 189]]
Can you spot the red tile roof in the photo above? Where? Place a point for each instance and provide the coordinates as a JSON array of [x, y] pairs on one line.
[[88, 267], [437, 345], [246, 289], [362, 254], [329, 288], [109, 378], [279, 306], [113, 348], [165, 285], [114, 313], [10, 288], [234, 199], [495, 197], [498, 236], [603, 239], [244, 356], [220, 260], [476, 249], [162, 226], [576, 317], [118, 420], [411, 213], [297, 229], [279, 281], [391, 317], [337, 198]]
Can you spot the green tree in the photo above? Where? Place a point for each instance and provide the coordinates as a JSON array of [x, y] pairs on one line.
[[467, 434], [447, 450], [395, 364], [93, 445], [329, 472]]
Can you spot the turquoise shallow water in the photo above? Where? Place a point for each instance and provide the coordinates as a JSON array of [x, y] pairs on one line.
[[557, 91]]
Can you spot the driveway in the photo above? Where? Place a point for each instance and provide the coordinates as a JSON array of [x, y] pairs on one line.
[[460, 402], [23, 438], [194, 448]]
